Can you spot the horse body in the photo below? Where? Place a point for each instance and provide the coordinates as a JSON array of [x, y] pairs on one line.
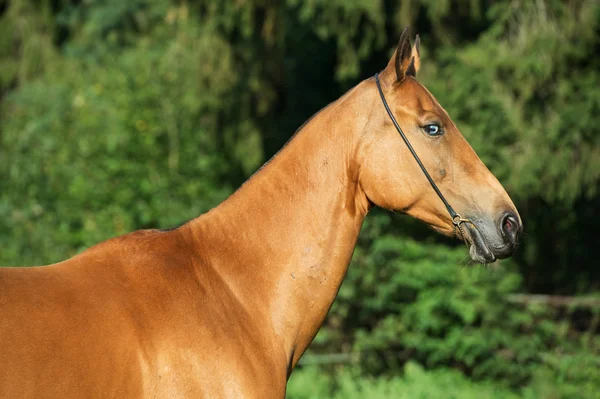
[[128, 318], [225, 305], [221, 307]]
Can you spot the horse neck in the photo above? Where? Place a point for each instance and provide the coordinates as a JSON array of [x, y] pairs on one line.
[[284, 240]]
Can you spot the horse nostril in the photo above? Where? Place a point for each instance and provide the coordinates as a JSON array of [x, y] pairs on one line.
[[509, 226]]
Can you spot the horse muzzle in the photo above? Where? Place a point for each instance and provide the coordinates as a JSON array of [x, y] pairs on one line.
[[489, 242]]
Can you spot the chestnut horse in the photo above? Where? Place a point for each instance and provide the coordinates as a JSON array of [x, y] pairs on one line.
[[225, 305]]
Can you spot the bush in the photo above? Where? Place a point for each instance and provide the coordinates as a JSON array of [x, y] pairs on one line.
[[347, 383], [417, 300], [128, 141], [415, 382]]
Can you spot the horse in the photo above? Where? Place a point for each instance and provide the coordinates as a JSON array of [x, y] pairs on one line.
[[225, 305]]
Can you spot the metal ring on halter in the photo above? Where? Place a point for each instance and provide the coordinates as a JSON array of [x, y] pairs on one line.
[[457, 220]]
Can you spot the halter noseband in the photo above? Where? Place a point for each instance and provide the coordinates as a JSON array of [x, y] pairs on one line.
[[457, 220]]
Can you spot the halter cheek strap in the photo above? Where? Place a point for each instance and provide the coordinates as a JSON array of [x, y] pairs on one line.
[[457, 220]]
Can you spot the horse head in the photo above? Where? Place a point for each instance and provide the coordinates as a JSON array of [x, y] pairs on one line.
[[392, 178]]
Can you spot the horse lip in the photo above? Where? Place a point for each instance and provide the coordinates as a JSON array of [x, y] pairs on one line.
[[504, 251], [479, 249]]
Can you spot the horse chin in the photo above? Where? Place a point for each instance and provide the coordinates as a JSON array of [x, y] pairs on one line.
[[478, 249]]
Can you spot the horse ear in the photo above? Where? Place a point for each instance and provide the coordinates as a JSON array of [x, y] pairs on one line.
[[405, 61], [416, 56]]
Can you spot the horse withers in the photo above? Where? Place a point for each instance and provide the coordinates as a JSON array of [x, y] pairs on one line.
[[225, 305]]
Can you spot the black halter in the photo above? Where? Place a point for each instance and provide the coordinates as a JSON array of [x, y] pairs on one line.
[[457, 220]]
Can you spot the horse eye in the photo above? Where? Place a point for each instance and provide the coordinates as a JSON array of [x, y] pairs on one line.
[[433, 130]]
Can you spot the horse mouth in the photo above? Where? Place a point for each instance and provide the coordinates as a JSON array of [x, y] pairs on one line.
[[479, 250]]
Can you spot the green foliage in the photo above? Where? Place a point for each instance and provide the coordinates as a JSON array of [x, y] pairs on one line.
[[420, 301], [543, 114], [356, 27], [112, 151], [26, 49], [416, 382], [312, 383], [520, 93], [116, 116], [566, 376]]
